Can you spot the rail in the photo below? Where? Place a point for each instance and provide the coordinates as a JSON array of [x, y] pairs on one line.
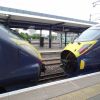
[[51, 77]]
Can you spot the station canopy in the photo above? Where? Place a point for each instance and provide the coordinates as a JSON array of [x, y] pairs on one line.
[[16, 18]]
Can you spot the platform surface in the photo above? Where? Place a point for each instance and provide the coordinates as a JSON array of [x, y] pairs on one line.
[[85, 87], [89, 93]]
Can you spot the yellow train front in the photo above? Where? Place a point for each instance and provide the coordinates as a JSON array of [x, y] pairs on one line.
[[83, 52]]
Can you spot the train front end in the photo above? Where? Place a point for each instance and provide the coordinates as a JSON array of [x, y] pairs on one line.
[[83, 53], [19, 60]]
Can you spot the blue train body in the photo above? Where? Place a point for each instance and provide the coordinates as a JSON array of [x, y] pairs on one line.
[[19, 60]]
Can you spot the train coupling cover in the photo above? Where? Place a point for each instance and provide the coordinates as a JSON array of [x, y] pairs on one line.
[[43, 68], [62, 66]]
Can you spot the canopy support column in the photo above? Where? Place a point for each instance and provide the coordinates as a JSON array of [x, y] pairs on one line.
[[65, 38], [50, 37]]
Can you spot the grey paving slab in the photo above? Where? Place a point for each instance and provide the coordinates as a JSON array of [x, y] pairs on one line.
[[90, 93], [87, 81], [4, 96], [38, 94], [60, 89], [97, 97]]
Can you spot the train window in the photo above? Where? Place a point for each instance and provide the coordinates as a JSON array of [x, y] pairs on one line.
[[89, 35], [6, 33]]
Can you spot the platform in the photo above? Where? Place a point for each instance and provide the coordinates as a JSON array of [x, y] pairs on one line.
[[50, 50], [85, 87], [89, 93]]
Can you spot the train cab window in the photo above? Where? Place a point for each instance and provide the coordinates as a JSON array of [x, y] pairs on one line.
[[6, 33], [89, 35]]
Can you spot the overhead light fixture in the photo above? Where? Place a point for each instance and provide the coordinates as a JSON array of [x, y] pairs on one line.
[[1, 14], [31, 27], [66, 30]]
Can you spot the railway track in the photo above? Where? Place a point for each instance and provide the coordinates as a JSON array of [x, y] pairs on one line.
[[51, 77], [50, 54], [52, 65], [53, 70], [51, 61]]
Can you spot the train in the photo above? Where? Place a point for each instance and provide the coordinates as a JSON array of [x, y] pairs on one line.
[[83, 53], [19, 60]]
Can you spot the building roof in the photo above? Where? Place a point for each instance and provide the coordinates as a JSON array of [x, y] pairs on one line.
[[25, 19]]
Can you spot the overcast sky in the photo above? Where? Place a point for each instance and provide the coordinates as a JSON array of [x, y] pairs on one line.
[[79, 9]]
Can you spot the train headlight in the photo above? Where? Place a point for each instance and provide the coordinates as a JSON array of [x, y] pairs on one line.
[[84, 48], [82, 64]]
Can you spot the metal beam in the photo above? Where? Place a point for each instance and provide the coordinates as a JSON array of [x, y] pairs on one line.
[[38, 26], [61, 40], [50, 37], [58, 24], [41, 39], [65, 38]]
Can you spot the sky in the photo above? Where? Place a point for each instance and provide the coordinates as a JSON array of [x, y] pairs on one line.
[[79, 9]]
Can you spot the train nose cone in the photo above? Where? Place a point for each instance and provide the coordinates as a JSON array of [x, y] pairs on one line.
[[69, 62], [43, 68]]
